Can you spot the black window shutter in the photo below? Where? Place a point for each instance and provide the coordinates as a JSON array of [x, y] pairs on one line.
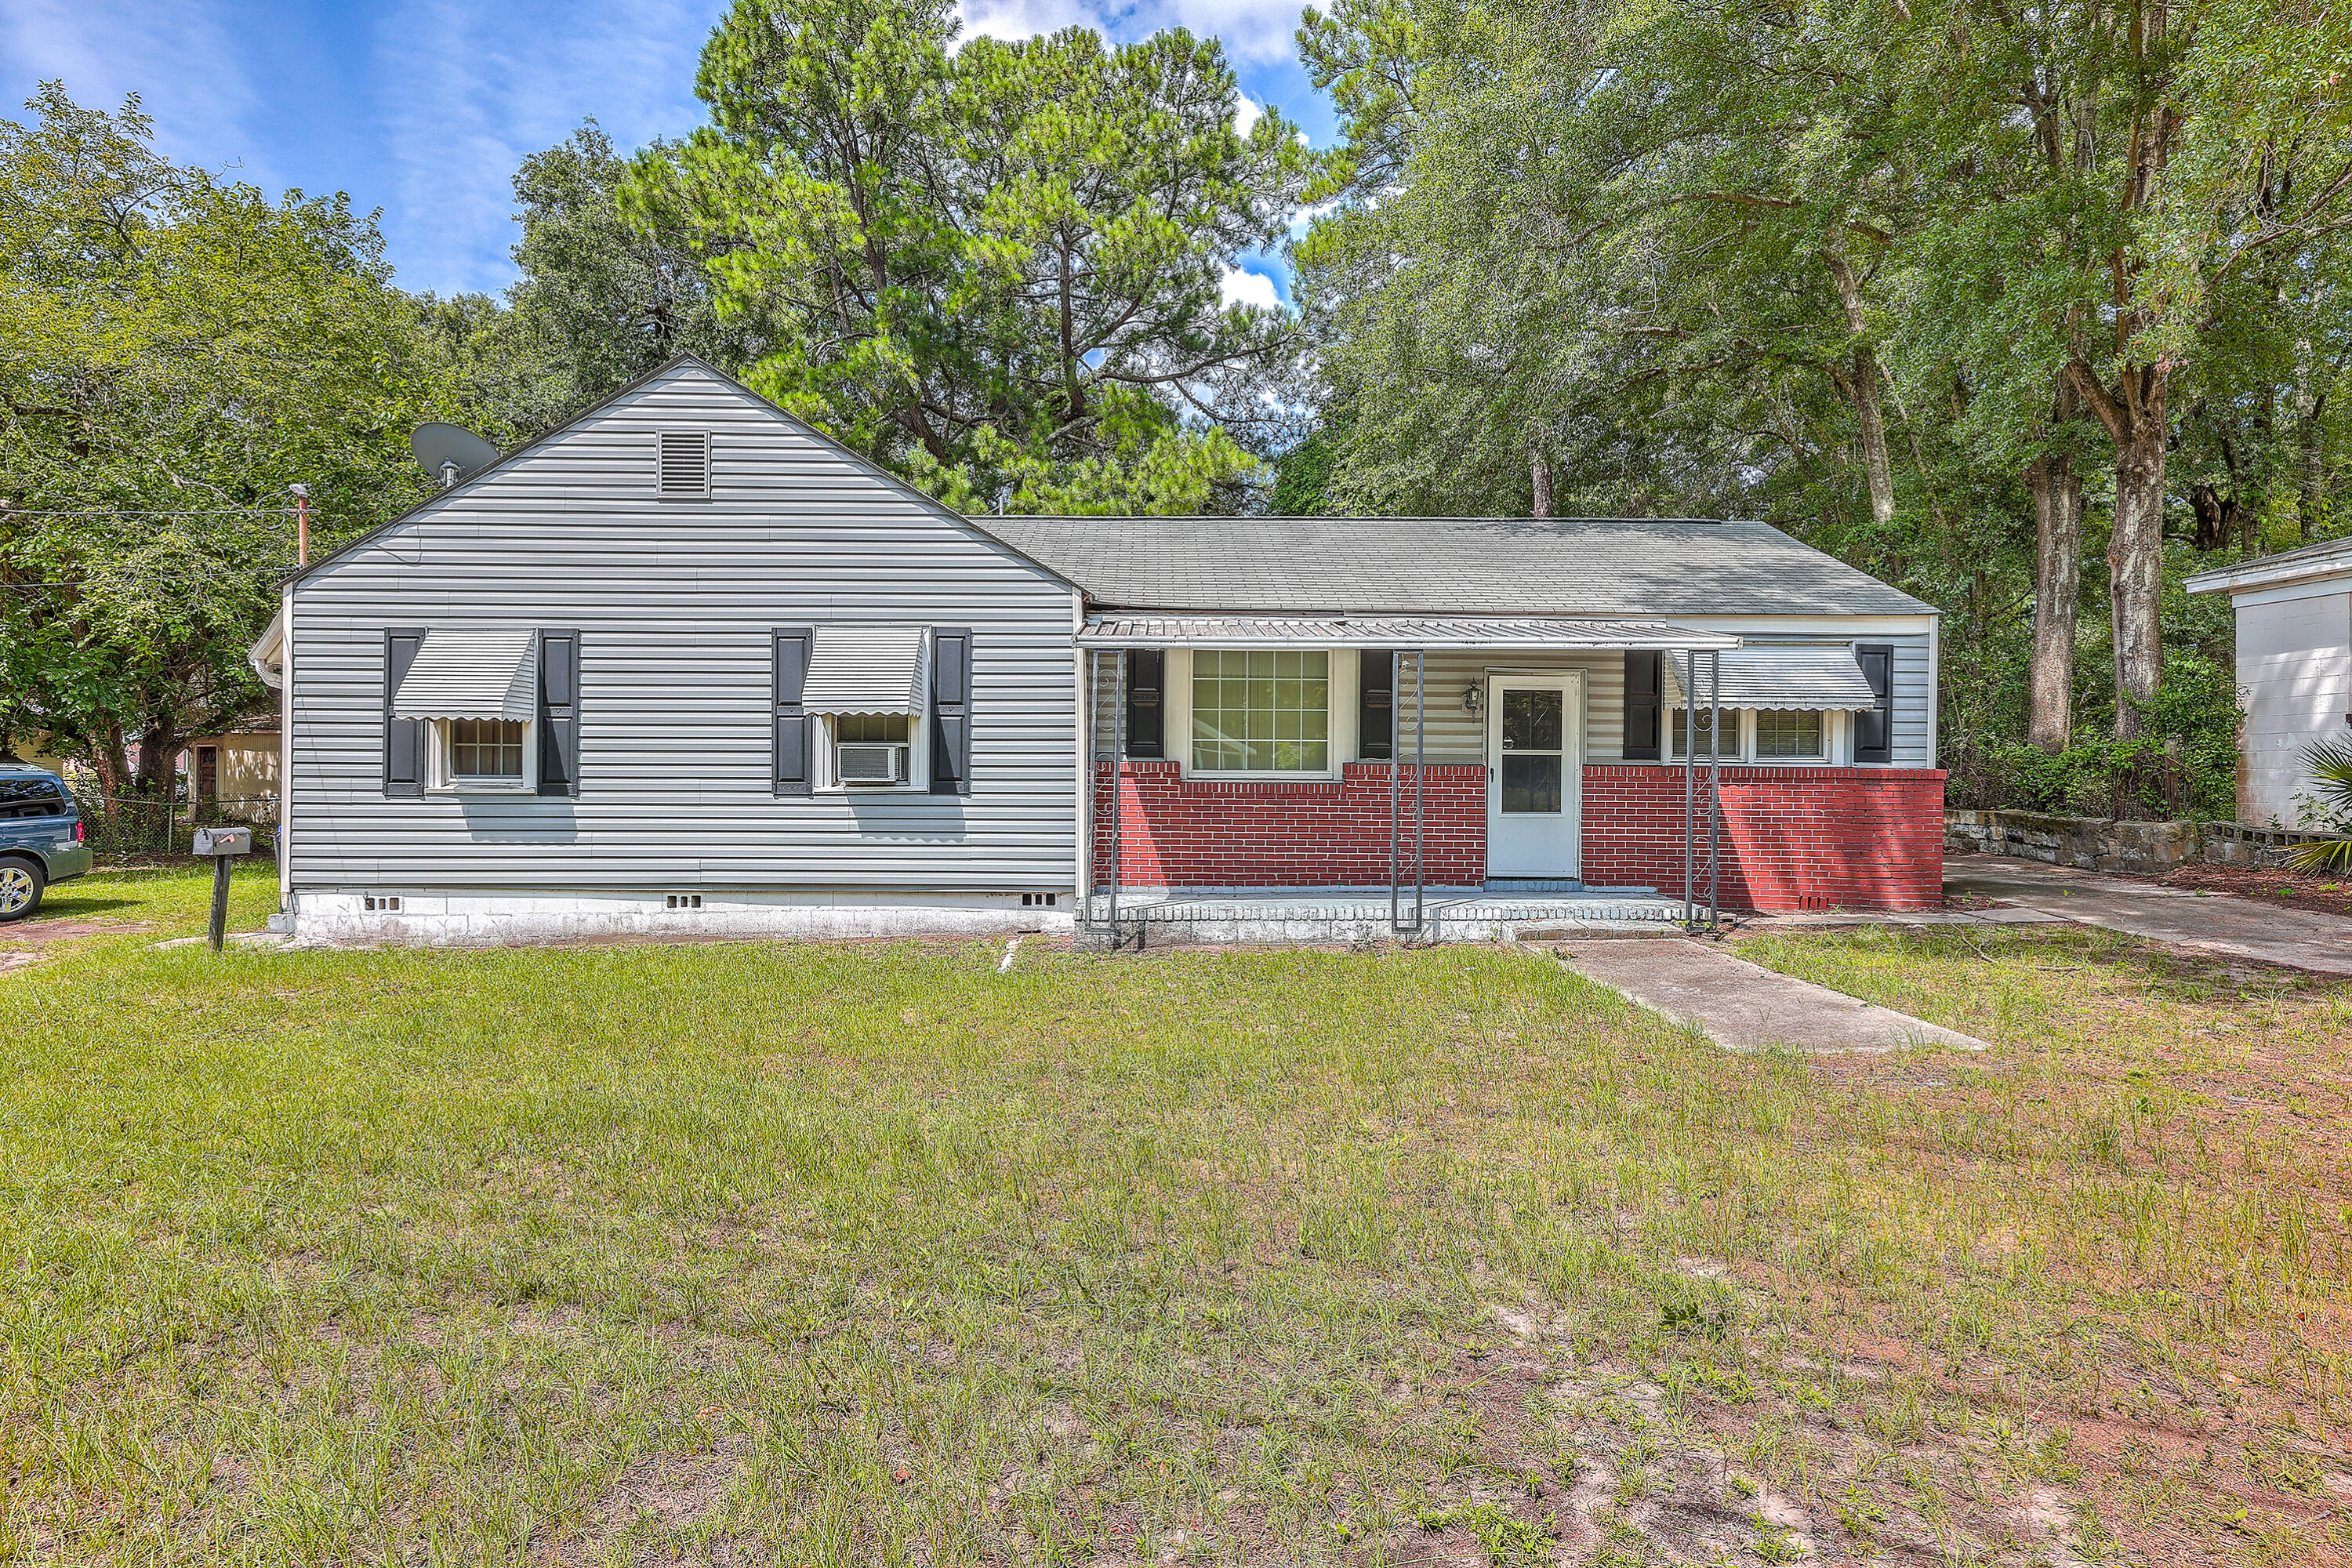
[[1147, 733], [403, 739], [951, 710], [559, 712], [1376, 705], [1873, 726], [1641, 706], [792, 660]]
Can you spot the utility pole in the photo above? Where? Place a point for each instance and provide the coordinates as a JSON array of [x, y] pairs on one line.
[[302, 523]]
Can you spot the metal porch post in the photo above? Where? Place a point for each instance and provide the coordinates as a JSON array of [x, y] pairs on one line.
[[1117, 785], [1690, 778], [1395, 762], [1419, 772], [1715, 790]]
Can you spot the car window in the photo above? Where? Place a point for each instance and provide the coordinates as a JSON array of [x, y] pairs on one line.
[[31, 797]]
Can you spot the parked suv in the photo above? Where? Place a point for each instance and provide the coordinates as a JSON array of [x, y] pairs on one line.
[[42, 840]]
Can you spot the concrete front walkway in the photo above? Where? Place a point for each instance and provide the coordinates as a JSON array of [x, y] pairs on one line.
[[2214, 922], [1744, 1007]]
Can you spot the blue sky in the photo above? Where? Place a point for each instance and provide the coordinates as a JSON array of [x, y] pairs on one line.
[[423, 108]]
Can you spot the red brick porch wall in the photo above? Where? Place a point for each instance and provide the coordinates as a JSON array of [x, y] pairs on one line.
[[1793, 839], [1258, 833]]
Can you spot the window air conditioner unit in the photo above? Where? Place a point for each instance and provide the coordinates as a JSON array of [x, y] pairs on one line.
[[869, 762]]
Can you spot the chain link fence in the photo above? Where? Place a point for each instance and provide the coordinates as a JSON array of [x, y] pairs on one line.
[[130, 826]]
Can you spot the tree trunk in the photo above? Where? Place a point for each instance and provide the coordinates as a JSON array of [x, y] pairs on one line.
[[2134, 569], [2133, 414], [159, 761], [2308, 485], [1869, 423], [2220, 518], [2057, 591], [1542, 467]]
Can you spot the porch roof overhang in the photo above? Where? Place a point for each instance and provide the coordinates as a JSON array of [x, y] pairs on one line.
[[1147, 629]]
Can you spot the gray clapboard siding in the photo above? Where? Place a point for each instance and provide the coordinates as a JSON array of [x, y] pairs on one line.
[[675, 602]]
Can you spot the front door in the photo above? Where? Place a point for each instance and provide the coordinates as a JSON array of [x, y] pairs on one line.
[[1535, 770]]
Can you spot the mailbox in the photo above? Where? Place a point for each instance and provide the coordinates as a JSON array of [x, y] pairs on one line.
[[224, 841]]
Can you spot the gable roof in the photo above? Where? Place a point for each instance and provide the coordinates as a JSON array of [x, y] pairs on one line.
[[675, 363], [1598, 567], [1603, 567]]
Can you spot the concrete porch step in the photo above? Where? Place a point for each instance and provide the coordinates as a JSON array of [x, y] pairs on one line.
[[1347, 914]]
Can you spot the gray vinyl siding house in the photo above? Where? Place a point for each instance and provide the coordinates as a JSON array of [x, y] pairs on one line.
[[677, 602], [687, 665]]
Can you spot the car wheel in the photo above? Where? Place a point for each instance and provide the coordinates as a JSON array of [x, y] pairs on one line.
[[20, 890]]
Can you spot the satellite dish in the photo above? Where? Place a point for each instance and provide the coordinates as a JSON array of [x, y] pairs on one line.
[[451, 452]]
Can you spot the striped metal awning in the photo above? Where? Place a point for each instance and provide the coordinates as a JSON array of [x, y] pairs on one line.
[[1146, 629], [1763, 676], [865, 669], [471, 675]]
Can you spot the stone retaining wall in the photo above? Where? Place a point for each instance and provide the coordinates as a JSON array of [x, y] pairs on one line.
[[2096, 844]]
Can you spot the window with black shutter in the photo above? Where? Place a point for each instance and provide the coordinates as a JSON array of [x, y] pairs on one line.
[[951, 710], [1873, 726], [403, 739], [1376, 705], [792, 725], [1643, 706], [559, 712], [1146, 734]]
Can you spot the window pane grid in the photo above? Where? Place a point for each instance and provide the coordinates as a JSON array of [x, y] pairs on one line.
[[486, 748], [1681, 718], [1261, 712], [1788, 734]]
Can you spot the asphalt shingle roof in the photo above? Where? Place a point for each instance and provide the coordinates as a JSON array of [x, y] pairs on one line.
[[1448, 565]]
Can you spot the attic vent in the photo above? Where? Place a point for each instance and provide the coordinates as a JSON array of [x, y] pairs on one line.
[[682, 462]]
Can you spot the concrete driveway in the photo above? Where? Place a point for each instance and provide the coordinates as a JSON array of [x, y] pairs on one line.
[[2214, 922]]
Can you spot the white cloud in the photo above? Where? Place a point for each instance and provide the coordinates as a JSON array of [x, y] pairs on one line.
[[466, 91], [1245, 113], [1241, 287], [185, 58]]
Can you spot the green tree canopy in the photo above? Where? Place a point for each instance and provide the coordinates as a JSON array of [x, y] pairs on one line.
[[175, 351], [996, 268]]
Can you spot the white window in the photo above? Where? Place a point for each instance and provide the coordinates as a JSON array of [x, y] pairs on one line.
[[1261, 713], [870, 751], [1680, 719], [1784, 734], [476, 756], [477, 692], [488, 748], [866, 687]]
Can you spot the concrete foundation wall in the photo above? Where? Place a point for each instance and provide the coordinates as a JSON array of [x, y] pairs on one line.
[[440, 919]]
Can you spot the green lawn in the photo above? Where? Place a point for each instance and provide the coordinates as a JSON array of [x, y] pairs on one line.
[[867, 1254]]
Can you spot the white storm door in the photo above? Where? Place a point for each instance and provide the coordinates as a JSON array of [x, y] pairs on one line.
[[1535, 773]]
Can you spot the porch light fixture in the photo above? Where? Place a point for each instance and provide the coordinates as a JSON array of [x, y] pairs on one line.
[[1470, 699]]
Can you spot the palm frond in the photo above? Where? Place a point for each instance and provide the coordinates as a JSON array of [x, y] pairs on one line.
[[2330, 761]]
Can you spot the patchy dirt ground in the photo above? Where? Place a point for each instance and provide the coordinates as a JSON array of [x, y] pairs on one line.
[[2330, 894]]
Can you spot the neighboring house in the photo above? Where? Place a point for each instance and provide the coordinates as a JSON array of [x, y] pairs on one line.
[[35, 752], [687, 664], [234, 774], [2295, 669]]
